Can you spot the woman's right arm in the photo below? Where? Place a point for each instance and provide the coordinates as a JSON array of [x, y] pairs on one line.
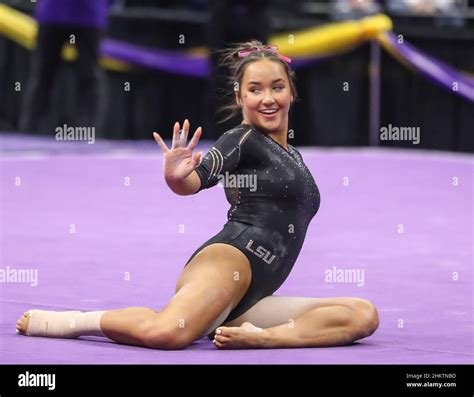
[[185, 174]]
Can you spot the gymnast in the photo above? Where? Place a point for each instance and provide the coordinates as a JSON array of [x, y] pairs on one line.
[[225, 290]]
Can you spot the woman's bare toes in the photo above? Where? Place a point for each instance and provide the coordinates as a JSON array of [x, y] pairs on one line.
[[247, 336], [22, 323]]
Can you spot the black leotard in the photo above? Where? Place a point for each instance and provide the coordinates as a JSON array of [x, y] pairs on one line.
[[266, 221]]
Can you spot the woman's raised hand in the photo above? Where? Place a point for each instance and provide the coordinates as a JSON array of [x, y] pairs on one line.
[[179, 161]]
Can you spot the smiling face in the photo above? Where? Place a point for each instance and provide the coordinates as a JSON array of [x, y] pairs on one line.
[[265, 96]]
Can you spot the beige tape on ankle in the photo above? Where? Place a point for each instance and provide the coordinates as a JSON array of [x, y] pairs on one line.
[[70, 324]]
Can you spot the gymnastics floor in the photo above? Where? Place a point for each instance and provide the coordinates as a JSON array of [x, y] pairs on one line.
[[101, 230]]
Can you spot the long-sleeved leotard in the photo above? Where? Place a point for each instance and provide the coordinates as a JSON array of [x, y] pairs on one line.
[[273, 198]]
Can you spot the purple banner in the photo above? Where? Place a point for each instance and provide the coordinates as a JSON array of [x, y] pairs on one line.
[[436, 71], [165, 60]]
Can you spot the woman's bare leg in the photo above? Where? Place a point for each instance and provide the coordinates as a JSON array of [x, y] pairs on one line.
[[302, 322], [206, 292]]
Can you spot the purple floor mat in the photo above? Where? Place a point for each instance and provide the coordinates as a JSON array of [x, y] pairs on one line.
[[404, 218]]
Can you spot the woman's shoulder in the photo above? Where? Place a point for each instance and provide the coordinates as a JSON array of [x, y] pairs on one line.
[[238, 134], [239, 129]]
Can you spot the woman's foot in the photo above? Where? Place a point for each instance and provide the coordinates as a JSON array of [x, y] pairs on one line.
[[22, 323], [53, 324], [247, 336], [48, 323]]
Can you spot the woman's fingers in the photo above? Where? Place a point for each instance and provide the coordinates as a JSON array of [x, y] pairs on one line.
[[184, 134], [180, 137], [194, 141], [175, 141], [160, 142]]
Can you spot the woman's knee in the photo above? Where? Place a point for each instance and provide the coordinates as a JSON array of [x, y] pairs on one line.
[[366, 318], [156, 335]]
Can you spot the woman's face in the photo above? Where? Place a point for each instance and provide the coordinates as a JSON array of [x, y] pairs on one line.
[[265, 96]]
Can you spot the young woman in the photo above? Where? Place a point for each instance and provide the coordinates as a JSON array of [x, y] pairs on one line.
[[227, 284]]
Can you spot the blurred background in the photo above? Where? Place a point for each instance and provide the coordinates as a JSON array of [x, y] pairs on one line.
[[143, 64]]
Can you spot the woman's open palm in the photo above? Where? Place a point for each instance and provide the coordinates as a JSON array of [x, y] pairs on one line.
[[179, 161]]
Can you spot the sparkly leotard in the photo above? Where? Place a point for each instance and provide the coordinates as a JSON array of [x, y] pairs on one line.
[[273, 198]]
